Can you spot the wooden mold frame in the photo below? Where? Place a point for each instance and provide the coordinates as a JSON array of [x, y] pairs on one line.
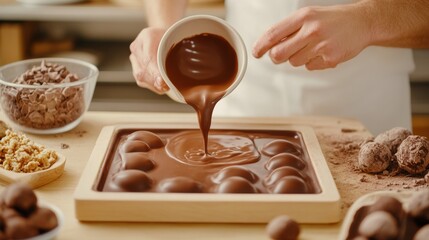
[[92, 205]]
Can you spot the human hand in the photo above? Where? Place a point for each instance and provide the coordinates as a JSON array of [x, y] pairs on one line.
[[317, 37], [143, 59]]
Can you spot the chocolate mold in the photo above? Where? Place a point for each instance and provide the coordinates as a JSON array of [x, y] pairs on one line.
[[255, 172]]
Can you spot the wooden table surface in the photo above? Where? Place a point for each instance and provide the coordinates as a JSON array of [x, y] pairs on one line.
[[80, 142]]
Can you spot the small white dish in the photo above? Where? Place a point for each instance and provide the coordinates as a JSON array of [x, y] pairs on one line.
[[35, 179]]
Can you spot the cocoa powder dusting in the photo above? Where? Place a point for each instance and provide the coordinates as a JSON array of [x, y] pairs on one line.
[[341, 149]]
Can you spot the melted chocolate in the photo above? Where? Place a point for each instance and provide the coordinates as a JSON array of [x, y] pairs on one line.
[[238, 165], [202, 68]]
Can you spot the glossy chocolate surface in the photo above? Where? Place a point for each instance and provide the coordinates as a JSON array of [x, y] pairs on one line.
[[169, 160]]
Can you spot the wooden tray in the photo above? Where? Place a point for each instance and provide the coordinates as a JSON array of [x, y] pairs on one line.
[[93, 205]]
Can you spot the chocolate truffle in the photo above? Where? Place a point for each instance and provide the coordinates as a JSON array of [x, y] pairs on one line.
[[281, 146], [374, 157], [43, 219], [290, 184], [130, 181], [19, 228], [393, 138], [236, 185], [379, 225], [179, 185], [422, 233], [151, 139], [285, 159], [283, 228], [390, 205], [235, 171], [413, 154], [20, 197], [137, 160], [281, 172], [419, 206], [134, 146]]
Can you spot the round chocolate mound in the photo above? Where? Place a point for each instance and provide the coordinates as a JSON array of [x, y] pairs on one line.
[[281, 146], [151, 139], [285, 159], [281, 172], [43, 218], [19, 228], [179, 185], [283, 228], [419, 206], [20, 197], [131, 181], [235, 171], [236, 185], [290, 184], [134, 146], [390, 205], [413, 154], [374, 157], [393, 138], [137, 160], [422, 233], [379, 225]]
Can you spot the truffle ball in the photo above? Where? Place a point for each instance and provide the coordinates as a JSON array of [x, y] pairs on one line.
[[418, 206], [283, 228], [236, 185], [20, 197], [379, 225], [392, 138], [43, 219], [374, 157], [19, 228], [390, 205], [422, 233], [413, 154]]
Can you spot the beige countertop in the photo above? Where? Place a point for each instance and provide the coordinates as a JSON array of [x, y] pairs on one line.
[[80, 143]]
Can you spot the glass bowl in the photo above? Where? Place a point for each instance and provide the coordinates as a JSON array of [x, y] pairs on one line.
[[40, 98]]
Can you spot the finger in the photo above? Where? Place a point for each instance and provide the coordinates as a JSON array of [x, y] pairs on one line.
[[284, 50], [145, 79], [303, 56], [276, 34], [317, 63]]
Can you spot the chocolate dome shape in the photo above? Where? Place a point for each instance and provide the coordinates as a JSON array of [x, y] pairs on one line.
[[418, 206], [179, 185], [374, 157], [285, 159], [150, 138], [392, 138], [236, 185], [413, 154], [390, 205], [283, 228], [19, 228], [290, 184], [21, 197], [379, 225], [281, 172], [137, 160], [281, 146], [43, 219], [235, 171], [9, 213], [422, 233], [134, 146], [130, 181]]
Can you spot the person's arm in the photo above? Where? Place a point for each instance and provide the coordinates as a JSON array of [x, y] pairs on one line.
[[322, 37], [398, 23], [161, 14]]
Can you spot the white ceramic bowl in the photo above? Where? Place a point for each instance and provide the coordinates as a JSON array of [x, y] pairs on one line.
[[194, 25], [46, 109]]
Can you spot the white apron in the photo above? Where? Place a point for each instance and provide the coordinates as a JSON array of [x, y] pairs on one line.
[[373, 87]]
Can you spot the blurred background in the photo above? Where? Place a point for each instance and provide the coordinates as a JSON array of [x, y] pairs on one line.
[[100, 31]]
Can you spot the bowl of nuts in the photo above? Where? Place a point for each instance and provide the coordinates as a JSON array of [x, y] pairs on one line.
[[46, 96]]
